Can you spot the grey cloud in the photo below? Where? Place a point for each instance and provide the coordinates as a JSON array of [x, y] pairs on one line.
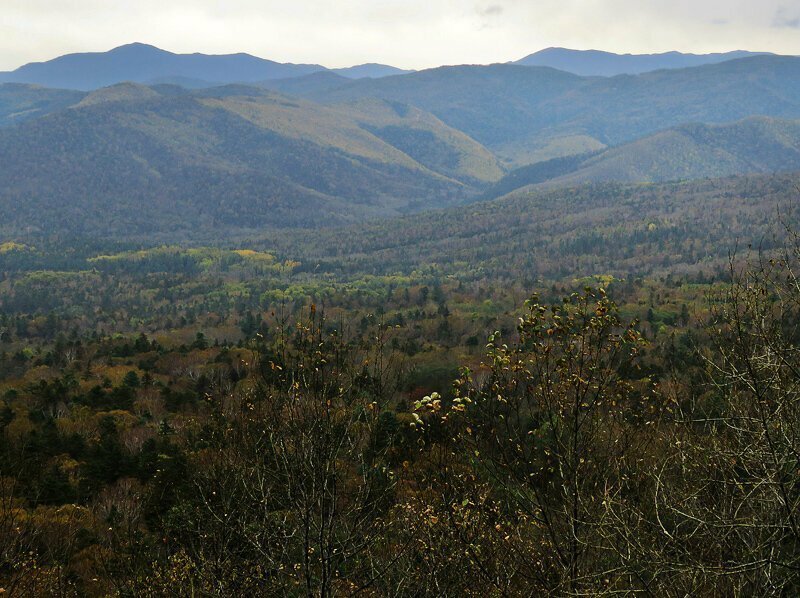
[[407, 33], [783, 19], [493, 10]]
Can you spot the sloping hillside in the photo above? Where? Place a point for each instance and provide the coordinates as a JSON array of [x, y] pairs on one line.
[[696, 151], [587, 230], [530, 114], [620, 109], [125, 160], [489, 103], [520, 111], [693, 151]]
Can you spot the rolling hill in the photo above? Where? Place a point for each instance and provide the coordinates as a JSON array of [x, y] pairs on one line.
[[692, 151], [132, 159], [527, 114], [324, 150], [524, 114], [619, 109], [624, 230], [489, 103]]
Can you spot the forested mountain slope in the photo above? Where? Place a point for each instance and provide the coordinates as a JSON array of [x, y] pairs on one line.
[[518, 110], [692, 151], [530, 114], [133, 159], [139, 160], [593, 229], [489, 103], [754, 145]]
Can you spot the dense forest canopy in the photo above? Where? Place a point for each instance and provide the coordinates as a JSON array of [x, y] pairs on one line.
[[472, 331]]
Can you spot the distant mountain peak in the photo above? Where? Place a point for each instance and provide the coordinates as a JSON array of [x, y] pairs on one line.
[[143, 63], [607, 64], [136, 46], [372, 70]]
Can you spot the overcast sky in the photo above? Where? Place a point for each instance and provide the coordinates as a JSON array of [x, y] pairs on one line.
[[405, 33]]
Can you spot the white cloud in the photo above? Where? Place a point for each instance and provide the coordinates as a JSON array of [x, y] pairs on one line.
[[407, 33]]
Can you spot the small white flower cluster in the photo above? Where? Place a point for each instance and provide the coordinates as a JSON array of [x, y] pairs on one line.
[[431, 403]]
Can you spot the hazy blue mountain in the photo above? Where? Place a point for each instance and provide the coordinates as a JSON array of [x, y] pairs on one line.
[[619, 109], [370, 70], [489, 103], [142, 63], [399, 142], [521, 112], [608, 64], [531, 114]]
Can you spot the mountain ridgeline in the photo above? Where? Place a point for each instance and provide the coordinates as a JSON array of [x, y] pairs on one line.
[[142, 63], [308, 147], [596, 63], [523, 112], [693, 151], [132, 160]]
